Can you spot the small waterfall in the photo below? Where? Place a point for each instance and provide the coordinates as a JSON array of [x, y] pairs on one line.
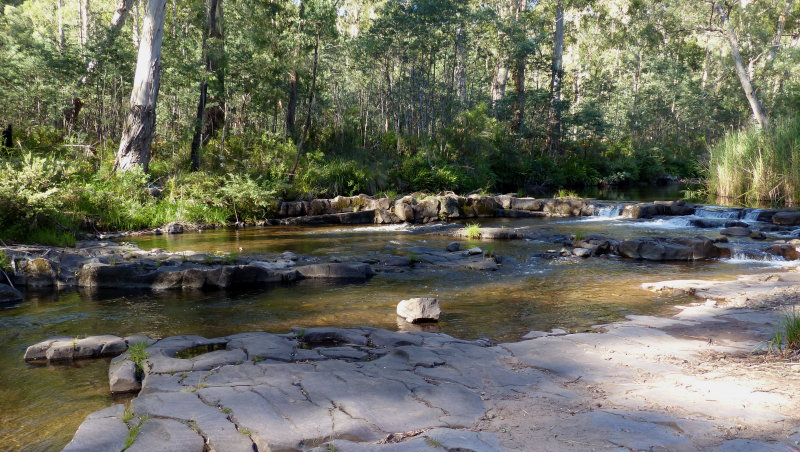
[[719, 213], [612, 211], [752, 214]]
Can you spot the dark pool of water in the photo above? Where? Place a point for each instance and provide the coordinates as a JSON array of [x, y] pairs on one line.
[[41, 406]]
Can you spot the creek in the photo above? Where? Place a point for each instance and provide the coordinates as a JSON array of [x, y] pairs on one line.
[[42, 405]]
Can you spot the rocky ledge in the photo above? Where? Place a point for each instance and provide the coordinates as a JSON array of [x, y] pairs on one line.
[[687, 382], [111, 265]]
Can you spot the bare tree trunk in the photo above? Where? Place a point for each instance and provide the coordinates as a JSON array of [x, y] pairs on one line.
[[83, 30], [137, 137], [461, 66], [556, 80], [499, 83], [60, 24], [307, 124], [121, 13], [208, 122], [755, 104], [519, 79], [776, 42], [291, 106]]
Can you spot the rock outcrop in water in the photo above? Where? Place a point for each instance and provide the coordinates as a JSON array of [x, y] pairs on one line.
[[657, 249]]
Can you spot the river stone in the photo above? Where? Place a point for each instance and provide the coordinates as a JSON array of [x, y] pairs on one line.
[[450, 206], [404, 209], [786, 251], [582, 252], [419, 309], [736, 231], [39, 272], [758, 235], [122, 376], [336, 271], [787, 218], [166, 435], [102, 431], [453, 247], [9, 294], [62, 350], [670, 249], [38, 351], [474, 251], [531, 204], [426, 209], [482, 265]]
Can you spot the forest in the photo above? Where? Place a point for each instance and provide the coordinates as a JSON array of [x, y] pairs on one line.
[[129, 114]]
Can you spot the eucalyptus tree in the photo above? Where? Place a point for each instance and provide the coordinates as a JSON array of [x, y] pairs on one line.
[[137, 137]]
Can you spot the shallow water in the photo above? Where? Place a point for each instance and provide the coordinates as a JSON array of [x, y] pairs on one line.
[[41, 406]]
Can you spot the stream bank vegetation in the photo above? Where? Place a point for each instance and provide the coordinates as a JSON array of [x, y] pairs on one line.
[[109, 126]]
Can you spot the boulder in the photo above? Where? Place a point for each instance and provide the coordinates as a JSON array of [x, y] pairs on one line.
[[453, 247], [122, 376], [786, 218], [504, 201], [736, 231], [474, 251], [385, 216], [481, 206], [670, 249], [450, 206], [38, 272], [582, 252], [9, 294], [784, 250], [426, 210], [531, 204], [404, 209], [419, 309]]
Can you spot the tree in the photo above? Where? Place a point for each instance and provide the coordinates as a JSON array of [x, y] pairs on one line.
[[744, 76], [210, 118], [137, 137], [556, 80]]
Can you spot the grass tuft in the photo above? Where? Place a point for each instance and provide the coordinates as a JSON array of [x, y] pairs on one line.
[[473, 231]]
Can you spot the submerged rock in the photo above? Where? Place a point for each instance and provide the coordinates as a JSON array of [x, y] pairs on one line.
[[419, 309], [671, 249], [9, 294]]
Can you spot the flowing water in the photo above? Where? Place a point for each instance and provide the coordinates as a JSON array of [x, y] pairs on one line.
[[41, 406]]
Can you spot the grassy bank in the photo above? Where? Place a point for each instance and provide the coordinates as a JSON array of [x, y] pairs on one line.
[[756, 166], [49, 192]]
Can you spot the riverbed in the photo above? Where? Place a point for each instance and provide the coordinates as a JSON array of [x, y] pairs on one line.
[[42, 406]]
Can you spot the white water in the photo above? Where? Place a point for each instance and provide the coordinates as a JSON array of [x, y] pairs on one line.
[[718, 212]]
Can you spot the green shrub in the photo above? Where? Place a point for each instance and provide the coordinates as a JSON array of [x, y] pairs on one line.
[[758, 166]]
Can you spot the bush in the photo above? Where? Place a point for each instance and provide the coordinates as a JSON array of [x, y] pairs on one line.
[[758, 166]]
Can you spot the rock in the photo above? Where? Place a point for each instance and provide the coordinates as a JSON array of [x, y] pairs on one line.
[[474, 251], [481, 206], [416, 310], [531, 204], [38, 351], [385, 216], [9, 294], [670, 249], [504, 201], [450, 206], [786, 251], [174, 228], [736, 231], [483, 265], [582, 252], [404, 209], [757, 235], [453, 247], [330, 336], [39, 273], [336, 271], [786, 218], [102, 431], [166, 435], [426, 210], [122, 376]]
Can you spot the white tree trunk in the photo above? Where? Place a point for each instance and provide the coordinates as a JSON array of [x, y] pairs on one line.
[[134, 148], [83, 9], [556, 80], [60, 20], [123, 9], [744, 78]]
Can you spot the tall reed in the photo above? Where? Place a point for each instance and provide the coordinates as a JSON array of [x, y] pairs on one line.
[[757, 166]]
